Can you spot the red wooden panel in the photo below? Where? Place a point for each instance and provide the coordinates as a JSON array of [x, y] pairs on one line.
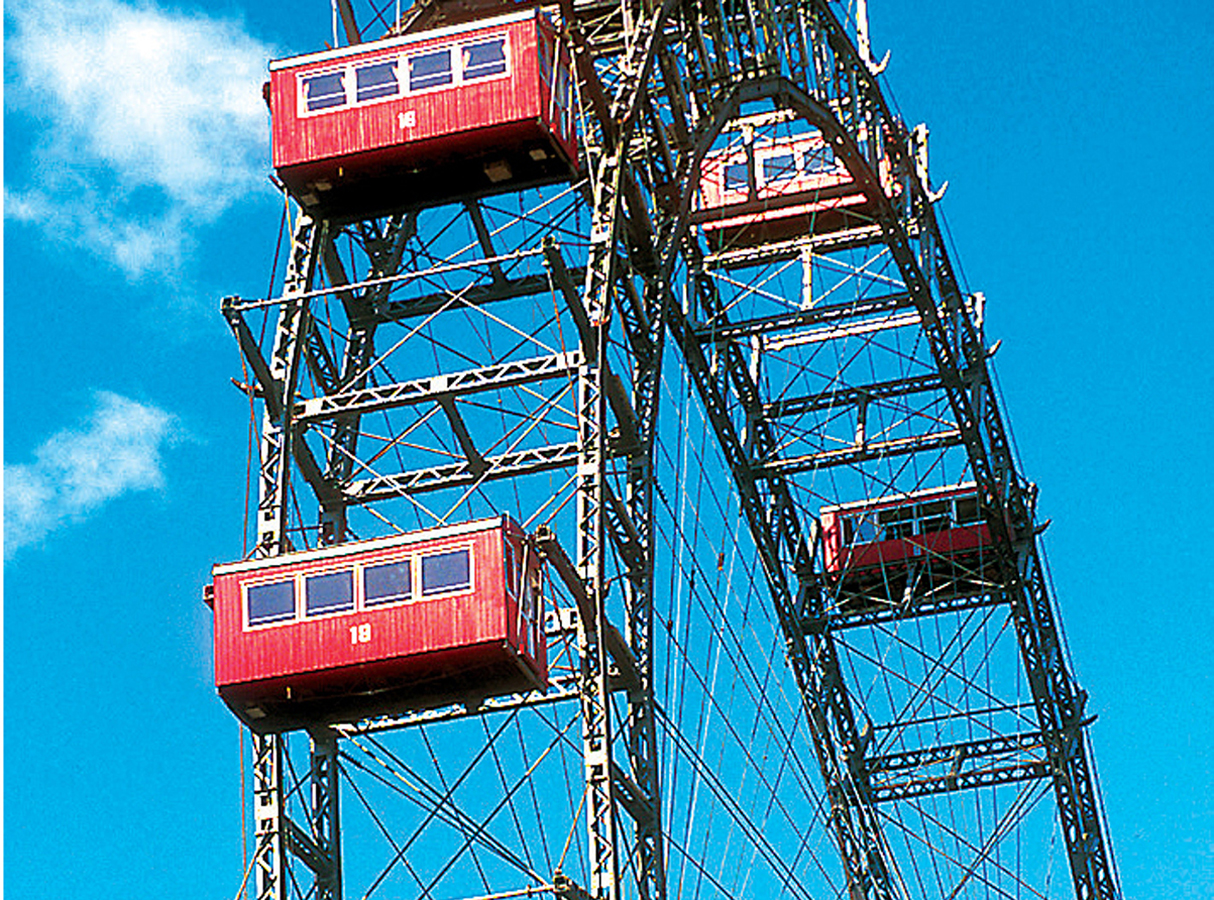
[[858, 562], [422, 650], [900, 552], [803, 201], [437, 137], [712, 173], [437, 113]]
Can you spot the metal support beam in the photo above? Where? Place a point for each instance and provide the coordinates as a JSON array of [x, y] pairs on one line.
[[621, 407], [855, 455], [475, 295], [505, 465], [956, 344], [435, 388], [861, 611], [277, 431], [972, 764], [819, 244], [269, 819], [560, 690], [564, 569], [841, 395], [828, 314], [775, 525], [385, 248], [325, 818], [271, 392], [476, 463]]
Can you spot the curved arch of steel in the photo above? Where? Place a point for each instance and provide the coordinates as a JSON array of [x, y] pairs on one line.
[[1008, 500], [799, 57]]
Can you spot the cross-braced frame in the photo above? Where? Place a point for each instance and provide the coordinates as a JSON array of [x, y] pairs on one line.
[[507, 352]]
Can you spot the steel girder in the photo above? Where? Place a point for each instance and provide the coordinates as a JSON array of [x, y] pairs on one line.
[[614, 521], [384, 249], [783, 543], [277, 836], [269, 820], [860, 845], [1007, 499], [661, 81], [619, 214], [1016, 757], [282, 375], [607, 516], [826, 81]]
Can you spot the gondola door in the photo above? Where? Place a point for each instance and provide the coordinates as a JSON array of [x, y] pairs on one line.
[[521, 568]]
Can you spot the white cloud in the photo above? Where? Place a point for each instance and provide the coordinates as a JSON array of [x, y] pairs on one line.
[[152, 124], [78, 470]]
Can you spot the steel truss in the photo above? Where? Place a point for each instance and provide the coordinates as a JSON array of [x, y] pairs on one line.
[[804, 63], [412, 378]]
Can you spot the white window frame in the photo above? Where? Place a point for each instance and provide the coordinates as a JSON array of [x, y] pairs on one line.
[[728, 163], [450, 592], [453, 83], [301, 93], [262, 582], [401, 87], [484, 39], [401, 58], [769, 153], [302, 594], [411, 559], [299, 580]]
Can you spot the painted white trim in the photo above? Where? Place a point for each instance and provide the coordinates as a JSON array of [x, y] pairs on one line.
[[405, 90], [402, 41], [358, 547], [458, 589], [966, 487], [356, 569]]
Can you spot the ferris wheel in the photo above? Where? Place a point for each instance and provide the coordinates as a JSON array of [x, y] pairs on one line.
[[636, 513]]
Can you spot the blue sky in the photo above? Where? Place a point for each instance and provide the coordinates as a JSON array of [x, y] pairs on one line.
[[1075, 142]]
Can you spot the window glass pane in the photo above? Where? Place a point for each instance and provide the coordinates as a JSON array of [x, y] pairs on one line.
[[271, 602], [427, 70], [934, 508], [329, 593], [932, 524], [484, 58], [967, 510], [445, 571], [898, 522], [546, 62], [934, 516], [779, 168], [735, 177], [508, 567], [388, 583], [819, 159], [324, 91], [376, 80], [898, 530], [862, 531], [528, 599]]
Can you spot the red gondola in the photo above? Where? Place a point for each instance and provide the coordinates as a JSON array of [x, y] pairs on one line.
[[408, 622], [940, 534], [799, 188], [429, 117]]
